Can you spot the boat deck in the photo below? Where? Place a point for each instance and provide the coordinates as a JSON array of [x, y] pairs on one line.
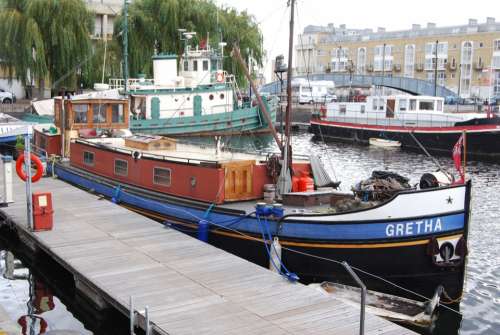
[[189, 286]]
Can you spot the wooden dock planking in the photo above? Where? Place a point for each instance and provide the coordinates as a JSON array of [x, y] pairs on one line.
[[7, 325], [189, 286]]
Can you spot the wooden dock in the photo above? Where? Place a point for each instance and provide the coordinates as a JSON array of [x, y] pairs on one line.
[[189, 286], [7, 325]]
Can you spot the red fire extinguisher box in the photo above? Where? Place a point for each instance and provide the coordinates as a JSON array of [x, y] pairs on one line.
[[42, 211]]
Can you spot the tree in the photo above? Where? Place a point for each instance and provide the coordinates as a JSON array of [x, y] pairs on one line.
[[45, 39], [153, 28]]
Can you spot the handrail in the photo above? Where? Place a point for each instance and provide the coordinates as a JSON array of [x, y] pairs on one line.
[[362, 286]]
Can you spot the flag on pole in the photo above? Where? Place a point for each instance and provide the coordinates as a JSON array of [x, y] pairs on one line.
[[457, 158]]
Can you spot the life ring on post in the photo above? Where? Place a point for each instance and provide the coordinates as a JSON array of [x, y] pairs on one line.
[[24, 324], [22, 174], [219, 77]]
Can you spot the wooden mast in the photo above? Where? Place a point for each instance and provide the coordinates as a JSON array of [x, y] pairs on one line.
[[288, 115]]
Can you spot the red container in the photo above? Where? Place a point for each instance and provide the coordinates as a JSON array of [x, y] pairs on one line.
[[306, 183], [42, 211]]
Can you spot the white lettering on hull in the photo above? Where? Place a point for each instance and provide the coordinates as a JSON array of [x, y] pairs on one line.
[[413, 228]]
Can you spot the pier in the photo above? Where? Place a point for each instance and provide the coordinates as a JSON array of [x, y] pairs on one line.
[[186, 286]]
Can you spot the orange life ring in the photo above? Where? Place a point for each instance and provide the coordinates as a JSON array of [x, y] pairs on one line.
[[220, 77], [22, 174], [24, 325]]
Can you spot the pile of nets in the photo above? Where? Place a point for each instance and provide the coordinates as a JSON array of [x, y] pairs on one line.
[[381, 186]]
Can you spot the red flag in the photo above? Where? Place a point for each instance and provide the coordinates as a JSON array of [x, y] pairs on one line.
[[457, 158]]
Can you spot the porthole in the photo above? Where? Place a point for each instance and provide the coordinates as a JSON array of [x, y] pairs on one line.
[[222, 95], [211, 97]]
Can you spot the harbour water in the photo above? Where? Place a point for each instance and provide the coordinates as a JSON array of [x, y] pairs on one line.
[[349, 163]]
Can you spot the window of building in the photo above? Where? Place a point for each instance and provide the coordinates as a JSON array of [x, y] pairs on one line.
[[99, 113], [466, 68], [496, 84], [426, 105], [121, 167], [481, 44], [80, 113], [413, 105], [496, 45], [117, 115], [195, 65], [409, 61], [205, 65], [88, 158], [361, 64], [162, 176]]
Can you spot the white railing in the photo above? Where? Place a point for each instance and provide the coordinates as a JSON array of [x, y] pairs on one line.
[[118, 83]]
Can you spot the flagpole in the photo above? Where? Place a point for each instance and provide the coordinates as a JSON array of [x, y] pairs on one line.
[[464, 134]]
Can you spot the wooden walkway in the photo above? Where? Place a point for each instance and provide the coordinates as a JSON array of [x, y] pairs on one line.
[[189, 286], [7, 325]]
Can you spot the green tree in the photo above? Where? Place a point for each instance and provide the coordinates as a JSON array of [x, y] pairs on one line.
[[45, 39], [153, 28]]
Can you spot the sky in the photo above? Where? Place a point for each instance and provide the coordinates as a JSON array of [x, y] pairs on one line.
[[273, 16]]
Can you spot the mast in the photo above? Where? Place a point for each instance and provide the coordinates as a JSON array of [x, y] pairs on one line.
[[288, 115], [125, 43]]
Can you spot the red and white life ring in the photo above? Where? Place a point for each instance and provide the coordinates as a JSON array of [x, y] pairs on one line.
[[22, 174], [24, 324], [219, 77]]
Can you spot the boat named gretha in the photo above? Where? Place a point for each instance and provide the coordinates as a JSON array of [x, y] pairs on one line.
[[408, 119]]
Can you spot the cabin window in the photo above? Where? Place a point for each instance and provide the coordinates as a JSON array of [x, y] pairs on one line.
[[99, 113], [381, 104], [117, 113], [121, 167], [342, 109], [88, 158], [43, 142], [80, 113], [439, 106], [403, 105], [375, 101], [362, 110], [186, 65], [195, 65], [426, 105], [161, 176], [205, 65], [413, 105]]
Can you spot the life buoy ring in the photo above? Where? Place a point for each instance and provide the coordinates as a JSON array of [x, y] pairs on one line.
[[22, 174], [24, 325], [322, 111], [136, 155], [220, 77]]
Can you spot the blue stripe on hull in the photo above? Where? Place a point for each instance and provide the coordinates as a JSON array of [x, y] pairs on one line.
[[349, 232]]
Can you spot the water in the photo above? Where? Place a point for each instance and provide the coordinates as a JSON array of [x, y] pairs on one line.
[[349, 163]]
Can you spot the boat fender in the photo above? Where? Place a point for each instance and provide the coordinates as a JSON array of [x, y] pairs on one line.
[[136, 155], [116, 195], [461, 249], [433, 247], [261, 209], [22, 174], [278, 210], [203, 228]]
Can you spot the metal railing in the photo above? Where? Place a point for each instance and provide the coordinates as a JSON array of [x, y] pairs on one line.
[[362, 286]]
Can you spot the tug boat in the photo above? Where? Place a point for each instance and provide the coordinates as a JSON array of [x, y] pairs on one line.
[[414, 121]]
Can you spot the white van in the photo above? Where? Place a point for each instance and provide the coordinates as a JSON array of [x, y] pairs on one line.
[[308, 92]]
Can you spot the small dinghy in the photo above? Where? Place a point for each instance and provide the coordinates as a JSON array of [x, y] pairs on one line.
[[383, 143], [390, 307]]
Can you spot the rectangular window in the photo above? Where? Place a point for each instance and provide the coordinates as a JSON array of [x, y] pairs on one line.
[[121, 167], [374, 106], [403, 104], [342, 109], [413, 105], [362, 109], [496, 45], [99, 113], [88, 158], [426, 105], [161, 176], [117, 115], [439, 106], [205, 65], [80, 113], [195, 65], [186, 65]]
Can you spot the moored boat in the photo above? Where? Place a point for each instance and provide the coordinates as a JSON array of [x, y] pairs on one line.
[[409, 120]]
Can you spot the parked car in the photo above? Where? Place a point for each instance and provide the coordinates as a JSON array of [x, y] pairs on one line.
[[7, 97]]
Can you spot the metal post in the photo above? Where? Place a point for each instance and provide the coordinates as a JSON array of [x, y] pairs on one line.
[[27, 166], [363, 296], [125, 43], [436, 68], [132, 315], [146, 316]]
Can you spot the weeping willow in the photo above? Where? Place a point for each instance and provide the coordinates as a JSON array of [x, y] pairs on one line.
[[45, 39], [154, 24]]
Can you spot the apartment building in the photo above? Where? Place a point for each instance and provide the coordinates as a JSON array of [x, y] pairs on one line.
[[106, 12], [465, 58]]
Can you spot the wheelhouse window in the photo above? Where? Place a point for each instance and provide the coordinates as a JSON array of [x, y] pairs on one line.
[[413, 105], [121, 167], [186, 65], [426, 105], [195, 65], [117, 115], [88, 158], [80, 113], [205, 65], [342, 109], [162, 176], [99, 113], [403, 105]]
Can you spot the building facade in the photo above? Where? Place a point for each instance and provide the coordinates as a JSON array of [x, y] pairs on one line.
[[106, 12], [465, 59]]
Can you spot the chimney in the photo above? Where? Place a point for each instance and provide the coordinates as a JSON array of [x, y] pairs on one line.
[[431, 25], [490, 20], [415, 27], [380, 30], [472, 22]]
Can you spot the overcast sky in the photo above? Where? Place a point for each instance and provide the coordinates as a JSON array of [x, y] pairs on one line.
[[273, 15]]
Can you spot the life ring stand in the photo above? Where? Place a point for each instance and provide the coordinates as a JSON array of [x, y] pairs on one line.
[[220, 77], [22, 174], [24, 325]]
